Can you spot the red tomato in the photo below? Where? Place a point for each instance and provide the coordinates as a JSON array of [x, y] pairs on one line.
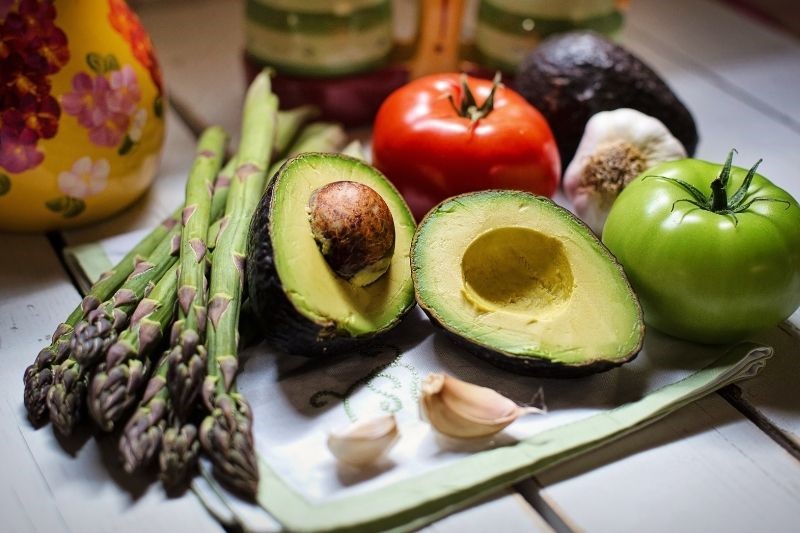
[[448, 134]]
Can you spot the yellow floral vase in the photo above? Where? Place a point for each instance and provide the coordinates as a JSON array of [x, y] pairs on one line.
[[81, 112]]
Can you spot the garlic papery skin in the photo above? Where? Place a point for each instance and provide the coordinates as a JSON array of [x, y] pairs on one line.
[[463, 410], [616, 147], [363, 443]]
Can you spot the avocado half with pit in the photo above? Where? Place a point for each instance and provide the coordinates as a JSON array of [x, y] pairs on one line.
[[328, 256], [525, 285]]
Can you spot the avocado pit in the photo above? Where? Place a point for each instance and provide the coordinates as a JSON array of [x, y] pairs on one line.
[[354, 230]]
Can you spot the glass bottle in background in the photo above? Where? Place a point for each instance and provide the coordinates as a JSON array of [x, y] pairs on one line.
[[506, 30]]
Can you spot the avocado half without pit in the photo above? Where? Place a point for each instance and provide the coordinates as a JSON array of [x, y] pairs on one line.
[[328, 267], [525, 285]]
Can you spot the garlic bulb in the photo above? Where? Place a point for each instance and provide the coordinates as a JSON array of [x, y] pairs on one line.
[[616, 147], [464, 410], [364, 442]]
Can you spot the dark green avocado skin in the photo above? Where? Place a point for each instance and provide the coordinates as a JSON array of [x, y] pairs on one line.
[[572, 76], [280, 323], [528, 366]]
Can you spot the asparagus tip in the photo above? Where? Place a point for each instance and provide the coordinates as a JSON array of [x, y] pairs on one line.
[[114, 390], [179, 453], [91, 340], [65, 398], [226, 435], [142, 437], [37, 384]]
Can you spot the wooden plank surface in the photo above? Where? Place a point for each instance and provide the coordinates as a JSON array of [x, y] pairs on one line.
[[507, 512], [775, 395], [703, 468]]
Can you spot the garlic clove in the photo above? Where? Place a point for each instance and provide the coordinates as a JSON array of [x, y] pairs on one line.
[[465, 410], [616, 147], [364, 442]]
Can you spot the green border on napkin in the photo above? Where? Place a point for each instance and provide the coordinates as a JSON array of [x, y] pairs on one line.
[[87, 262], [413, 502]]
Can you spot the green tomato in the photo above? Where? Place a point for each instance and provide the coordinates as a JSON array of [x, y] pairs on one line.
[[709, 265]]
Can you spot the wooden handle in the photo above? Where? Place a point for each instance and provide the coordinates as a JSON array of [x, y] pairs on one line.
[[439, 37]]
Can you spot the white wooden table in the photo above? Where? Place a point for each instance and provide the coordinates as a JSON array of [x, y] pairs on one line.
[[729, 462]]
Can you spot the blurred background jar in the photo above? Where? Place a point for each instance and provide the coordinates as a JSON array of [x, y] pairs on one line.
[[346, 56], [320, 38], [506, 30], [81, 112]]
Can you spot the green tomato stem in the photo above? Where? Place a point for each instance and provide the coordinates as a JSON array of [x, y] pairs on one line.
[[719, 196], [718, 201]]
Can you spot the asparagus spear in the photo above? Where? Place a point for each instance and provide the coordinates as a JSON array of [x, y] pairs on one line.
[[67, 393], [127, 358], [316, 137], [39, 375], [179, 452], [290, 122], [187, 355], [354, 149], [115, 385], [179, 446], [142, 435], [99, 330], [226, 433]]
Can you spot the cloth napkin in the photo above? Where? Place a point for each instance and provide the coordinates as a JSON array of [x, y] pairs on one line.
[[296, 401]]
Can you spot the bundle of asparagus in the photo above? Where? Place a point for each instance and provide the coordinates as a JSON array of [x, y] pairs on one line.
[[103, 357]]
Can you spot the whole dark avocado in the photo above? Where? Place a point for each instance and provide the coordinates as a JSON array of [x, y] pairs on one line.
[[571, 76]]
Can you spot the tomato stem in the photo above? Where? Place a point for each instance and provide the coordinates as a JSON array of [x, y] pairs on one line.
[[719, 196], [719, 193], [718, 201], [468, 106]]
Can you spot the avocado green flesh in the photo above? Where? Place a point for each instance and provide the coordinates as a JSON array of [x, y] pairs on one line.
[[313, 288], [517, 274]]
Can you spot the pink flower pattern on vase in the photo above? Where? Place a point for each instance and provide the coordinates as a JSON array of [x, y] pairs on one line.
[[18, 151], [85, 178], [103, 105], [124, 94]]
